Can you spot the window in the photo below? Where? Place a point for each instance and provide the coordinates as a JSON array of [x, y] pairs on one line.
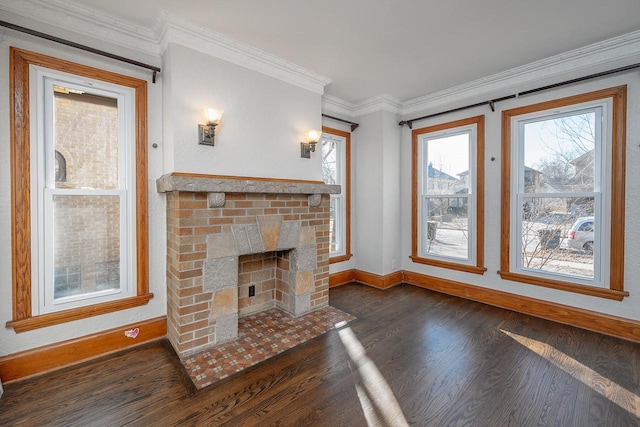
[[80, 220], [336, 169], [563, 193], [448, 195]]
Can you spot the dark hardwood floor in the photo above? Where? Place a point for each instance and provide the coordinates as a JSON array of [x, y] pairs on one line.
[[413, 357]]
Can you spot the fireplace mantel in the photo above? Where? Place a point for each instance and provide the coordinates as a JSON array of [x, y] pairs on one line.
[[197, 183], [236, 245]]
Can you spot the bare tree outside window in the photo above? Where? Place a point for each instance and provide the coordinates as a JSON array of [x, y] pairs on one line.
[[558, 180], [329, 162]]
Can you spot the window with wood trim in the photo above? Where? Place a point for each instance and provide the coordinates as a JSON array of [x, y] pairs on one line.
[[448, 195], [563, 180], [79, 244], [336, 169]]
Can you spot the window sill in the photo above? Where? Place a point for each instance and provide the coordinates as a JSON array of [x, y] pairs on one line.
[[50, 319], [340, 258], [565, 286], [450, 265]]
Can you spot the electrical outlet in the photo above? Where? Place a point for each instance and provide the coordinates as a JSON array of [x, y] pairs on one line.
[[252, 290]]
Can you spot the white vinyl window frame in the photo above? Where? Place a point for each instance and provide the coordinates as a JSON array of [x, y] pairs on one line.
[[43, 179], [470, 132], [473, 127], [601, 196]]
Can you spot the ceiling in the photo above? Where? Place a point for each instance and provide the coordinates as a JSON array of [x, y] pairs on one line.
[[401, 48]]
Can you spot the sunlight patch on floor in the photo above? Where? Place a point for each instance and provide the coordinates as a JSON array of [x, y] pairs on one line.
[[376, 397], [630, 402]]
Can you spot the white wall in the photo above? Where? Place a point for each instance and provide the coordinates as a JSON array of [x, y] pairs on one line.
[[627, 308], [260, 131], [376, 194], [367, 196], [391, 220], [10, 342]]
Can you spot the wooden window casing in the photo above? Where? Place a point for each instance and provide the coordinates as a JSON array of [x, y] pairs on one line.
[[23, 318], [347, 194], [478, 190], [617, 129]]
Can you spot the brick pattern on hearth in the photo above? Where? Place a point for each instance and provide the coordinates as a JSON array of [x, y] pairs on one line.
[[261, 336], [191, 223]]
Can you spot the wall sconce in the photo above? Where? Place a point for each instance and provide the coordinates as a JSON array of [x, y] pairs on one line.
[[207, 132], [306, 148]]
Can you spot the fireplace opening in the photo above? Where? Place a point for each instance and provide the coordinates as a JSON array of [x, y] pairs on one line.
[[268, 272]]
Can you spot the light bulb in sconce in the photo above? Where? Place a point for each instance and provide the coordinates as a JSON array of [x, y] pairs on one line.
[[213, 116], [313, 136], [306, 148], [206, 132]]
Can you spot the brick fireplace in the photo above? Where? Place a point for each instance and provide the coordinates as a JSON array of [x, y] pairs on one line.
[[227, 234]]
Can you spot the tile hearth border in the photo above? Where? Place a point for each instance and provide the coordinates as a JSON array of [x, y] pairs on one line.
[[260, 337]]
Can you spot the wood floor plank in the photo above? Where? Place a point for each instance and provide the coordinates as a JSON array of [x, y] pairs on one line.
[[412, 357]]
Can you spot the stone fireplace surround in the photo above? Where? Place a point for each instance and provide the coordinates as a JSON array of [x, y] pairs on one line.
[[212, 221]]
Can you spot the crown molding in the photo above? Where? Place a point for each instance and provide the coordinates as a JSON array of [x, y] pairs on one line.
[[615, 52], [333, 104], [379, 103], [66, 14], [611, 53], [220, 46], [71, 16]]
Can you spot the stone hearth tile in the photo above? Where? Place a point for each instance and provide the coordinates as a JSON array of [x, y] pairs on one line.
[[260, 337], [288, 238], [220, 273], [304, 282], [225, 302], [221, 245], [270, 230], [248, 238]]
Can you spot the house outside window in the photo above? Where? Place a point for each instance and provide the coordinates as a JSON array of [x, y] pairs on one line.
[[564, 169]]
